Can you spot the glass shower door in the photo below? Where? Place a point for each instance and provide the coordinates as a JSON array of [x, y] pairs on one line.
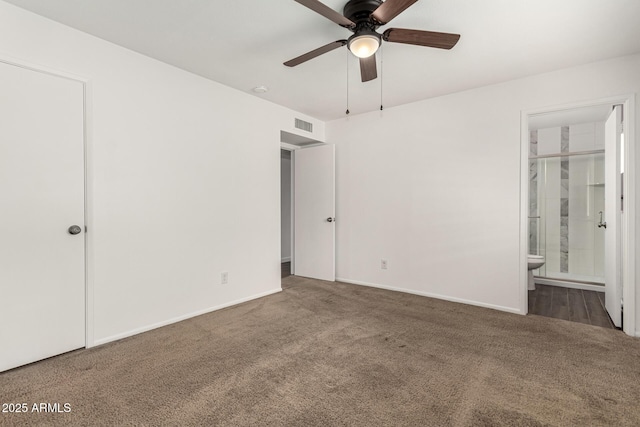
[[566, 204]]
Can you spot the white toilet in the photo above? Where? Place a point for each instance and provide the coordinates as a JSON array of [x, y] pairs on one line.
[[533, 262]]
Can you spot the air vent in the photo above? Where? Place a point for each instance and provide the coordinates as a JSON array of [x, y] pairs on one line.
[[302, 125]]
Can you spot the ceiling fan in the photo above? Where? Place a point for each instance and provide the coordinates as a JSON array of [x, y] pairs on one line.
[[363, 17]]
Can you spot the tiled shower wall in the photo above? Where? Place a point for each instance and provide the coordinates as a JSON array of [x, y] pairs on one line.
[[534, 215], [564, 200], [567, 192]]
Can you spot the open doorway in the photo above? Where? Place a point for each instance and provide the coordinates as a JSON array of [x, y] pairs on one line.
[[286, 212], [574, 215], [307, 207]]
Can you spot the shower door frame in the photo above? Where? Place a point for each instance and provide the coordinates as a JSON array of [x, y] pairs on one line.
[[628, 242]]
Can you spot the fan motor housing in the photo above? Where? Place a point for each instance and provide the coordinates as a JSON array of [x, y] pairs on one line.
[[359, 10]]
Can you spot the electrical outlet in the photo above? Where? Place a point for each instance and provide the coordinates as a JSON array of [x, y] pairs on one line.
[[383, 264], [224, 278]]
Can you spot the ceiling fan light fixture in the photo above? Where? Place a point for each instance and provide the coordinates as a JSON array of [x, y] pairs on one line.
[[363, 18], [364, 44]]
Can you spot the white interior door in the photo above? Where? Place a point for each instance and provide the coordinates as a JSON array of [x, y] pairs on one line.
[[314, 212], [612, 191], [42, 285]]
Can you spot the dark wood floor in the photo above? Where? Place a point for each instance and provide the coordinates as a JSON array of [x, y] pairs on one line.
[[285, 269], [574, 305]]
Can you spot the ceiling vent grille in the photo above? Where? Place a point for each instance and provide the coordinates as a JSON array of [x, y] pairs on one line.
[[302, 125]]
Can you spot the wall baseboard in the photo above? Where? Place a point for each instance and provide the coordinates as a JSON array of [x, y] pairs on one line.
[[432, 295], [181, 318], [566, 284]]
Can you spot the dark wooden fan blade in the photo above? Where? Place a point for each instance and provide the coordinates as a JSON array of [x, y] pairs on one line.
[[368, 70], [421, 38], [327, 12], [390, 9], [316, 52]]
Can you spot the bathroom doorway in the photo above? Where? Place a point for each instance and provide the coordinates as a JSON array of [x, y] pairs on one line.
[[566, 199], [568, 222]]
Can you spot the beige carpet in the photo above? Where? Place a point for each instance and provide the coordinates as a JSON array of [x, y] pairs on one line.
[[323, 353]]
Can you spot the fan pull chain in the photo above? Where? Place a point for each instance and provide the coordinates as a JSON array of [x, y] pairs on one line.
[[381, 71], [347, 112]]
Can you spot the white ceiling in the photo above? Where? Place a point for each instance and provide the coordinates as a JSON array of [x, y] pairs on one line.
[[243, 43]]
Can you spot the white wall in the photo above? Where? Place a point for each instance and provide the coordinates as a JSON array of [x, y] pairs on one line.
[[434, 186], [181, 187], [285, 205]]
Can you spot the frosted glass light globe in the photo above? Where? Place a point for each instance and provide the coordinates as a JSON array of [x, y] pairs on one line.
[[364, 46]]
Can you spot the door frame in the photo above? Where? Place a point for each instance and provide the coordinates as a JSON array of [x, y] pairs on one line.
[[88, 190], [293, 148], [628, 243]]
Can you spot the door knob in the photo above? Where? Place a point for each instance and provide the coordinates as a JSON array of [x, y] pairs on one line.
[[330, 219], [75, 229]]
